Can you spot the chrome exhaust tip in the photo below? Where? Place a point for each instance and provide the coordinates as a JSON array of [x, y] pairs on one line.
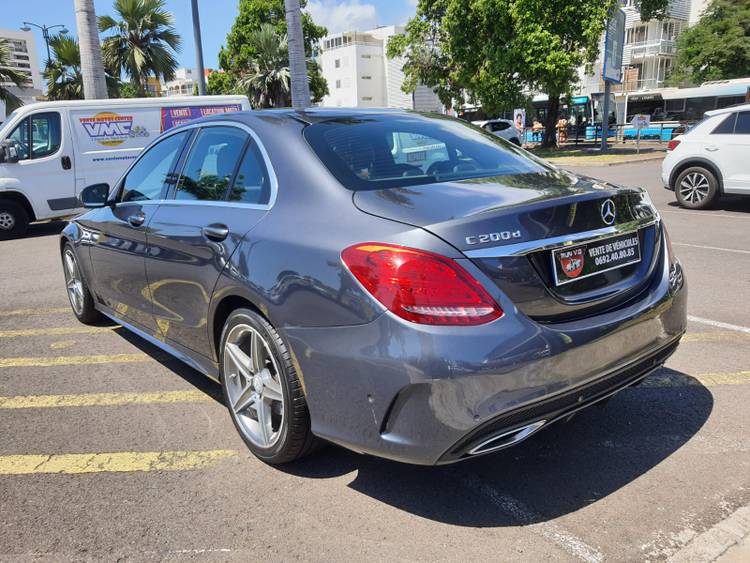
[[506, 438]]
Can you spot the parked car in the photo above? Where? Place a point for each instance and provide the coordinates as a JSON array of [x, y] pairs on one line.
[[710, 159], [422, 310], [50, 151], [503, 128]]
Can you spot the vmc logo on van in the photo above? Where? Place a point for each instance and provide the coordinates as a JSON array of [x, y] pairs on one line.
[[107, 128]]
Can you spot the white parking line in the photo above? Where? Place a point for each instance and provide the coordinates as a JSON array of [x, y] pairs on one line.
[[529, 519], [719, 324], [737, 250]]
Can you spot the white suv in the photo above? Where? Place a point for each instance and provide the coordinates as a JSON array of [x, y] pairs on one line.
[[503, 128], [711, 159]]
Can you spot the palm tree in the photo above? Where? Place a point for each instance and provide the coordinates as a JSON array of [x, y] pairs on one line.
[[92, 67], [297, 59], [63, 70], [8, 75], [267, 81], [143, 43]]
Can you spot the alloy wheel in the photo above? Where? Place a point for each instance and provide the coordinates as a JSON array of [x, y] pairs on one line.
[[7, 221], [694, 188], [73, 282], [253, 385]]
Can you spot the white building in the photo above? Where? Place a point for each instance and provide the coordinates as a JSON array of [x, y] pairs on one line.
[[360, 74], [650, 47], [24, 59], [184, 83]]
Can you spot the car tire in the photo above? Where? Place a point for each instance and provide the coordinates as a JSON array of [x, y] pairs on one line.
[[14, 220], [696, 188], [260, 382], [79, 296]]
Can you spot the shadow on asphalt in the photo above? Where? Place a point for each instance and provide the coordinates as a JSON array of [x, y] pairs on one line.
[[558, 471], [43, 230], [740, 204]]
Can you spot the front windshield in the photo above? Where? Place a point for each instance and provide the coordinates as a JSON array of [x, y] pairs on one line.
[[386, 151]]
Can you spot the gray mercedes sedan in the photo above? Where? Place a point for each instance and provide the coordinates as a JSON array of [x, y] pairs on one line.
[[403, 285]]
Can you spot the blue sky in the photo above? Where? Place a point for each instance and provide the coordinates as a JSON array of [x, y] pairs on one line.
[[217, 17]]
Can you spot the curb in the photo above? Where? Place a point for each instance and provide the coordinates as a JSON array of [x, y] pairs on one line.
[[729, 534], [598, 164]]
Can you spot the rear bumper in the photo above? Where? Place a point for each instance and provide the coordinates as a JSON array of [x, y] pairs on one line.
[[429, 395]]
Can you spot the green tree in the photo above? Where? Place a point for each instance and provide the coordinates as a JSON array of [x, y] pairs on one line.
[[221, 83], [63, 72], [143, 42], [497, 52], [718, 47], [267, 82], [235, 58], [8, 74]]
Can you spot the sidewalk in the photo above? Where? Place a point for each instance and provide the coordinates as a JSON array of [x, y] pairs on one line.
[[590, 156], [739, 553], [726, 542]]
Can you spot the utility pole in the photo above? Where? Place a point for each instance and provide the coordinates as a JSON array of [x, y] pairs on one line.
[[297, 59], [198, 50], [92, 65]]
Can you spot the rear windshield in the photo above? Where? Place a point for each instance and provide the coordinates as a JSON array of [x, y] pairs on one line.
[[388, 151]]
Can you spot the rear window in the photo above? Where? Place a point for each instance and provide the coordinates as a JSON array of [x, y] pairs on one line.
[[380, 151]]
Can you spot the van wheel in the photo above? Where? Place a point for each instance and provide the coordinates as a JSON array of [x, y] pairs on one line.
[[262, 391], [696, 188], [14, 221]]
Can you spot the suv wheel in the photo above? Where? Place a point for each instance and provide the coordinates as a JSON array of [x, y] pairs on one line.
[[262, 391], [696, 188], [13, 219]]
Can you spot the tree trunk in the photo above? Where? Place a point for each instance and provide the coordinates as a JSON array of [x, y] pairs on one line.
[[92, 67], [297, 59], [550, 123]]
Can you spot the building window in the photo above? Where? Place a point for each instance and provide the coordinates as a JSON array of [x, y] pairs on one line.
[[366, 98], [367, 78], [337, 63], [338, 84], [23, 65], [22, 57], [366, 56]]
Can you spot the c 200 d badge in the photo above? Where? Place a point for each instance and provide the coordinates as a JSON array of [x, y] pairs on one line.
[[493, 237]]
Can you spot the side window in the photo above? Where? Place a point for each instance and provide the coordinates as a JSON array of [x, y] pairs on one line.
[[20, 138], [45, 134], [146, 179], [252, 184], [743, 123], [726, 127], [211, 163]]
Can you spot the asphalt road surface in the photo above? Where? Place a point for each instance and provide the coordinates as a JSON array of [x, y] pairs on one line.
[[110, 450]]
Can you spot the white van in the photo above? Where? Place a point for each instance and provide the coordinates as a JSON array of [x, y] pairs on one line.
[[50, 151]]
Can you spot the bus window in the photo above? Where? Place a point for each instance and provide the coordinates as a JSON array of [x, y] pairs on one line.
[[727, 101], [696, 107], [644, 105]]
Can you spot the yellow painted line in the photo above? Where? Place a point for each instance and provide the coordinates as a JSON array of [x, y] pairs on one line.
[[705, 379], [40, 311], [73, 360], [114, 462], [54, 331], [101, 399], [716, 336]]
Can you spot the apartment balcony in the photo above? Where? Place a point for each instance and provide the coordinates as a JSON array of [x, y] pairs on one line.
[[655, 48]]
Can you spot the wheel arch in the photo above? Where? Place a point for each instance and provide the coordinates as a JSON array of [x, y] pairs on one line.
[[702, 162], [224, 307], [21, 200]]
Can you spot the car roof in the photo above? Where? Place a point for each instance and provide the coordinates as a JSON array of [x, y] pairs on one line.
[[730, 109]]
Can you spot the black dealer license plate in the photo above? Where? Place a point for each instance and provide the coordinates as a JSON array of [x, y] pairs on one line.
[[586, 260]]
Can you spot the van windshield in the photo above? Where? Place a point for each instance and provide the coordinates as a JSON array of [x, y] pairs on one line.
[[4, 127], [373, 152]]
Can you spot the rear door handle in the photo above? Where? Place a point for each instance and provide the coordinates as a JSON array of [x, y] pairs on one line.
[[137, 219], [217, 232]]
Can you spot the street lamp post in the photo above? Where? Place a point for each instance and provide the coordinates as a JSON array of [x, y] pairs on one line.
[[45, 33]]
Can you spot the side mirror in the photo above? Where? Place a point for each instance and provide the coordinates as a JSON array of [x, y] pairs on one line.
[[8, 152], [94, 196]]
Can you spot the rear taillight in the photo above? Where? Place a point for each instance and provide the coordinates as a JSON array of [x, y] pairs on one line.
[[419, 286], [672, 145]]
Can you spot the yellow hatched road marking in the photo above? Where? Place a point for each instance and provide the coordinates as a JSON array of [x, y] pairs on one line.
[[73, 360], [56, 331], [39, 311], [101, 399], [114, 462]]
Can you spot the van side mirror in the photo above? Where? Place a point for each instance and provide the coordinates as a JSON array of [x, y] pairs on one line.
[[94, 196], [8, 152]]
